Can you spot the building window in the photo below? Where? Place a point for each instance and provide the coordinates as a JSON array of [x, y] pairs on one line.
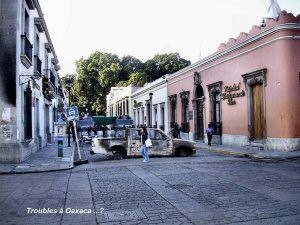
[[26, 48], [143, 117], [27, 113], [173, 103], [155, 116], [162, 112], [127, 107], [138, 117], [185, 111], [215, 106], [148, 113], [123, 104], [26, 24]]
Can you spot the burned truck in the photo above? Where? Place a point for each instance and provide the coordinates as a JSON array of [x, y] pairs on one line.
[[124, 143]]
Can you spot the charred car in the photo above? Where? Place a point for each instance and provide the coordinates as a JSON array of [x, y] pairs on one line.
[[123, 143]]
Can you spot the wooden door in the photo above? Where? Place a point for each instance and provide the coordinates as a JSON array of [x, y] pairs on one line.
[[200, 127], [258, 121]]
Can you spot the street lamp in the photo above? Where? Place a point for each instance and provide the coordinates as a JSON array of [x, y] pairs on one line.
[[69, 86], [150, 116]]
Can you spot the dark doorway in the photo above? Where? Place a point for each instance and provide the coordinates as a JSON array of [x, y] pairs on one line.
[[199, 98], [27, 113]]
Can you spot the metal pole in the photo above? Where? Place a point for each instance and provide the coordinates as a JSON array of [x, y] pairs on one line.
[[69, 131]]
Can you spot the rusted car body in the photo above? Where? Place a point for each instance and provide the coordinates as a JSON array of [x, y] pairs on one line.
[[127, 143]]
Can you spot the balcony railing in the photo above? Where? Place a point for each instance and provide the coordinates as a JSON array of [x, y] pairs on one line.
[[26, 47], [37, 65], [52, 78], [48, 89]]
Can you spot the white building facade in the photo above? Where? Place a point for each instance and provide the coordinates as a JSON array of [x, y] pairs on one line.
[[119, 101], [30, 92], [150, 105]]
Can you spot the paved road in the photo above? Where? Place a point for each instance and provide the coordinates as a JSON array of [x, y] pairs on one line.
[[207, 188]]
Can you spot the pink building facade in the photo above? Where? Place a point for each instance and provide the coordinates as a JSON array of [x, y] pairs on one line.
[[249, 89]]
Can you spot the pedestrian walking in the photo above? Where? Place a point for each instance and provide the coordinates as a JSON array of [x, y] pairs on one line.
[[209, 132], [144, 148]]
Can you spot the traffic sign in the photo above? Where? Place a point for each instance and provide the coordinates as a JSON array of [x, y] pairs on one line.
[[72, 113]]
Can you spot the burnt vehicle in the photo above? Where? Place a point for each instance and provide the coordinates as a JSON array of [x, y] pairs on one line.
[[126, 142]]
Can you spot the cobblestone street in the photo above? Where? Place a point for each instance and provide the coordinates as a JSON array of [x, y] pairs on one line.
[[207, 188]]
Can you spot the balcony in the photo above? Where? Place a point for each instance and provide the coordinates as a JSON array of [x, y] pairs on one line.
[[26, 52], [48, 89], [37, 65]]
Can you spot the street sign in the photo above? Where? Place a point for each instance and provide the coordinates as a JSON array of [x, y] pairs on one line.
[[72, 113]]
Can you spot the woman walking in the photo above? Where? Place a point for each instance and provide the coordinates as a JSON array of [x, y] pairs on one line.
[[144, 149]]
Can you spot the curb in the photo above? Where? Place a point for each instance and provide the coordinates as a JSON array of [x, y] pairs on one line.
[[239, 154], [44, 171], [247, 155]]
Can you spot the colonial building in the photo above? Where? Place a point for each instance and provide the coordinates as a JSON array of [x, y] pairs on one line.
[[118, 101], [249, 89], [30, 89], [150, 105]]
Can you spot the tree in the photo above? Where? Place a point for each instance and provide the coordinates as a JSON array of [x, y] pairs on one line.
[[162, 64], [129, 65], [100, 71], [96, 75]]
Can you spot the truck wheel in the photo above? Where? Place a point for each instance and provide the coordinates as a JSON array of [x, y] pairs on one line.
[[183, 153], [118, 155]]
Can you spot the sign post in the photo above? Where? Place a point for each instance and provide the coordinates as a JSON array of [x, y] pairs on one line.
[[73, 115]]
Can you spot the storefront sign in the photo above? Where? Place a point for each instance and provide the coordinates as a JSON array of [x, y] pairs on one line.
[[230, 96]]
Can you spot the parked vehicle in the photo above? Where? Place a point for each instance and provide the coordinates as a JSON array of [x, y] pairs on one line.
[[126, 142]]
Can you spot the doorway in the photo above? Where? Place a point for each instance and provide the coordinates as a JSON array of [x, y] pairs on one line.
[[199, 113], [255, 83], [258, 115]]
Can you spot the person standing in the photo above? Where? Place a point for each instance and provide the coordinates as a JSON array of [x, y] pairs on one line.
[[209, 132], [144, 149]]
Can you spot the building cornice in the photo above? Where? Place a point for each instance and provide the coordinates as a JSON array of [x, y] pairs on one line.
[[251, 40], [150, 87], [41, 15], [238, 55]]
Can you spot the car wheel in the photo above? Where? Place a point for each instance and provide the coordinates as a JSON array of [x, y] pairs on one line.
[[183, 153], [117, 156]]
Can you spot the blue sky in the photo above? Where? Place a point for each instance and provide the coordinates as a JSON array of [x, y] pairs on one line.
[[143, 28]]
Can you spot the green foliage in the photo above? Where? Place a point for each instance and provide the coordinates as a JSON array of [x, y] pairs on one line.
[[129, 65], [100, 71], [164, 64]]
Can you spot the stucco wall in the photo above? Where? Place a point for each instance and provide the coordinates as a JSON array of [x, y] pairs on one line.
[[279, 53]]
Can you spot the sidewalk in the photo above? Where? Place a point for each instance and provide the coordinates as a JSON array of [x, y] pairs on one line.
[[42, 161], [248, 151]]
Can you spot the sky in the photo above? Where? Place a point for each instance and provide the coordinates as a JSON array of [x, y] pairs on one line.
[[144, 28]]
